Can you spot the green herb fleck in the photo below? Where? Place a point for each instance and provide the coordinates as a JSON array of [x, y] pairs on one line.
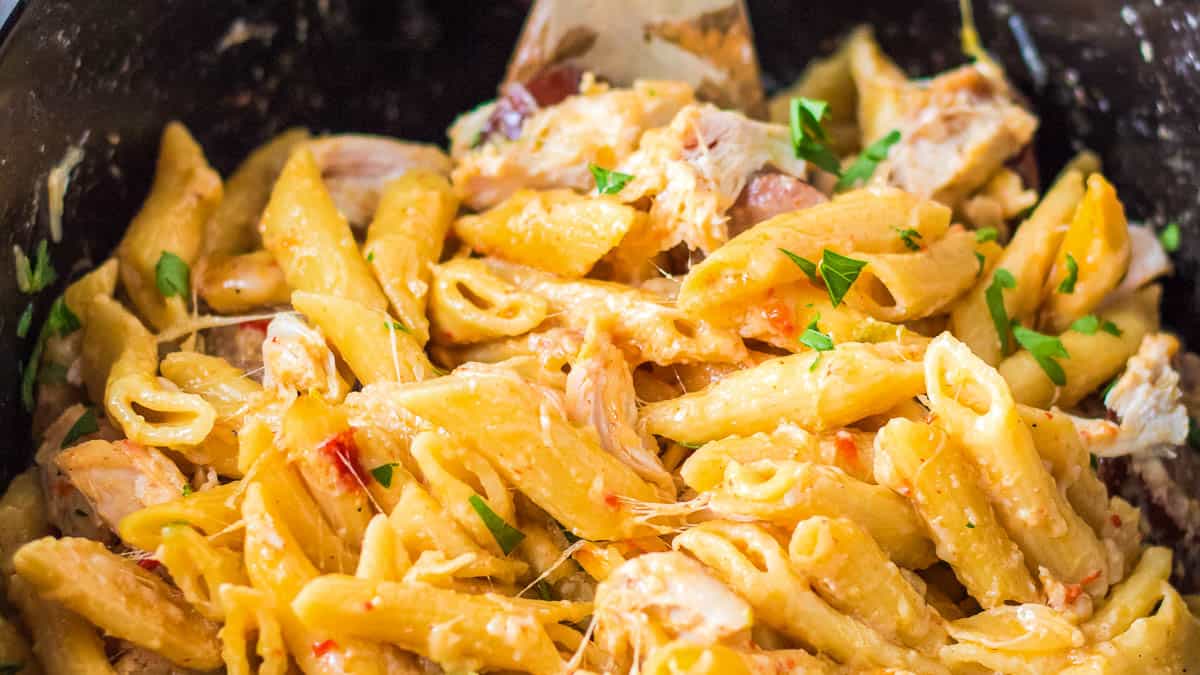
[[396, 325], [506, 535], [692, 446], [1068, 283], [62, 320], [807, 266], [994, 295], [864, 166], [544, 591], [32, 278], [970, 525], [808, 137], [981, 260], [25, 320], [909, 237], [383, 473], [1170, 237], [187, 490], [839, 273], [814, 339], [86, 424], [172, 276], [371, 256], [608, 182], [1109, 387], [1094, 461], [1088, 325], [986, 234], [1044, 349]]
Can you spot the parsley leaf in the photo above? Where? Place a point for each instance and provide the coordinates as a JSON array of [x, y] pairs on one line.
[[544, 591], [808, 137], [1088, 325], [994, 295], [970, 525], [1044, 349], [807, 266], [608, 182], [1170, 237], [691, 446], [813, 338], [187, 489], [839, 273], [506, 535], [24, 321], [32, 278], [986, 234], [383, 473], [864, 167], [86, 424], [909, 237], [1068, 282], [396, 325], [172, 276], [981, 260], [62, 320], [371, 256], [29, 372]]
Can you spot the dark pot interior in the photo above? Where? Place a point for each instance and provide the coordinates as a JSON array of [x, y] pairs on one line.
[[1121, 77]]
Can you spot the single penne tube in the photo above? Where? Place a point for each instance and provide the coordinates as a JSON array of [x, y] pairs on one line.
[[407, 614], [1094, 359], [365, 338], [199, 568], [22, 516], [250, 612], [185, 193], [213, 512], [227, 389], [1028, 258], [1131, 599], [558, 231], [913, 285], [1059, 445], [382, 558], [112, 333], [848, 449], [233, 227], [63, 642], [100, 281], [754, 564], [311, 241], [1098, 246], [751, 263], [785, 492], [529, 440], [974, 405], [815, 390], [920, 462], [467, 303], [1167, 641], [848, 569], [405, 239], [120, 597], [239, 283], [1019, 629]]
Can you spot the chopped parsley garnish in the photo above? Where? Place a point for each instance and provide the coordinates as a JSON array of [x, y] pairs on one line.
[[544, 591], [187, 490], [808, 137], [839, 273], [1068, 282], [506, 535], [981, 260], [62, 320], [970, 525], [383, 473], [1044, 349], [909, 237], [24, 321], [608, 182], [864, 167], [1170, 237], [814, 339], [994, 295], [371, 256], [807, 266], [1088, 325], [172, 276], [396, 325], [692, 446], [86, 424], [32, 278], [986, 234]]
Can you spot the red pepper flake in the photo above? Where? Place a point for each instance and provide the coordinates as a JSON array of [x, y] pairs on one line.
[[1072, 592], [319, 649], [1049, 416], [611, 501], [342, 452], [368, 606], [1090, 578], [846, 447], [149, 564], [259, 325], [1115, 520]]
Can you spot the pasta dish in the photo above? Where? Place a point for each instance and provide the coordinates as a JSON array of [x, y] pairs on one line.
[[625, 382]]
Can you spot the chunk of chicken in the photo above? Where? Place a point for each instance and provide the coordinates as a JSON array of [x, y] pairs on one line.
[[694, 170], [1148, 402], [296, 358], [557, 144], [659, 597], [66, 507], [122, 477], [355, 167], [600, 393]]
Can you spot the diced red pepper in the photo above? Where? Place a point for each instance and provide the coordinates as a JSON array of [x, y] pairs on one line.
[[323, 647], [149, 564], [342, 452]]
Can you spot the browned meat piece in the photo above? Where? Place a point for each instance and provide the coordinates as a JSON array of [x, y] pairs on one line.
[[519, 101], [767, 194], [240, 345]]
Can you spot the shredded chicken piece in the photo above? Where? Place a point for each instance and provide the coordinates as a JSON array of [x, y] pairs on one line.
[[66, 507], [1147, 262], [296, 358], [557, 144], [1148, 402], [120, 478], [600, 393]]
